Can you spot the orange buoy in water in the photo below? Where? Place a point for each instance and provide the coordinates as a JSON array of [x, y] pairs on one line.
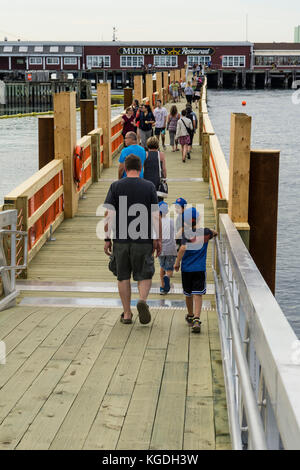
[[244, 103]]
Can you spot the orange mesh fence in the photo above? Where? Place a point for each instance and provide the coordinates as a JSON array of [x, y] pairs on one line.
[[87, 172]]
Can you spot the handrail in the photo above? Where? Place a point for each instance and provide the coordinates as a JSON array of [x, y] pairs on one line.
[[255, 426], [252, 313], [116, 134]]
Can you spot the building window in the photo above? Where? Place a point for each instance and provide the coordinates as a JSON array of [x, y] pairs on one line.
[[52, 60], [131, 60], [53, 48], [38, 48], [35, 61], [7, 49], [233, 61], [198, 59], [23, 49], [165, 61], [97, 61], [69, 49], [70, 60]]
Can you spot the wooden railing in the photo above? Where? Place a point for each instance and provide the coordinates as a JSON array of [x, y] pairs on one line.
[[40, 204], [116, 135], [86, 180]]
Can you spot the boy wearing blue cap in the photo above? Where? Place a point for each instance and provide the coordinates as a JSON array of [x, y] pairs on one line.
[[192, 256], [168, 254]]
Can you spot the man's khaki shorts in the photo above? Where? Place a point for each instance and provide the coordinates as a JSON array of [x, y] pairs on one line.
[[132, 258]]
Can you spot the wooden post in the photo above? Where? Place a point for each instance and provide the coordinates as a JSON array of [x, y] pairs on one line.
[[95, 153], [263, 207], [149, 87], [177, 75], [64, 145], [46, 140], [205, 157], [138, 88], [182, 74], [159, 84], [127, 97], [166, 80], [87, 116], [172, 76], [200, 128], [239, 167], [104, 120]]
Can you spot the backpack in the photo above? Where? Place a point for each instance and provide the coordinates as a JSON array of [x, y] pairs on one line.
[[192, 116]]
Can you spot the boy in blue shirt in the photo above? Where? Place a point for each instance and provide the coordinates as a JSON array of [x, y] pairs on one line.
[[192, 256]]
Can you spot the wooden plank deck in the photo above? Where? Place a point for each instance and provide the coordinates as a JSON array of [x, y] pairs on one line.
[[76, 378]]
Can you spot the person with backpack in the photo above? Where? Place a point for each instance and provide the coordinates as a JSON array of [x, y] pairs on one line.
[[193, 118], [183, 130]]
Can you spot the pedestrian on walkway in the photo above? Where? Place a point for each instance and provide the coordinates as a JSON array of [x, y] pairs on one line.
[[189, 92], [193, 118], [128, 121], [184, 127], [172, 120], [168, 254], [160, 115], [154, 160], [192, 257], [131, 147], [146, 121], [133, 236]]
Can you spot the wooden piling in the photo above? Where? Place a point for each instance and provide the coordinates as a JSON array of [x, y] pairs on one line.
[[46, 140], [64, 145], [87, 116], [127, 97], [104, 120], [159, 84], [263, 208], [138, 88], [172, 76], [166, 80], [239, 167], [149, 87]]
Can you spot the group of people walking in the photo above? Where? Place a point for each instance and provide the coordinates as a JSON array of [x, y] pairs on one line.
[[180, 243]]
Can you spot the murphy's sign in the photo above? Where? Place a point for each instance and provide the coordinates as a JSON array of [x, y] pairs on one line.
[[166, 51]]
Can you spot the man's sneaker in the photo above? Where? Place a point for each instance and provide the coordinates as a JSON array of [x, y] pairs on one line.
[[189, 319], [144, 312], [167, 284], [196, 326], [162, 291]]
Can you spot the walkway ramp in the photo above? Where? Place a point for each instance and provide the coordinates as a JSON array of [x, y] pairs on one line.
[[76, 378]]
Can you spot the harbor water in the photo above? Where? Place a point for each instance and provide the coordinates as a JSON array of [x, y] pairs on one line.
[[275, 125]]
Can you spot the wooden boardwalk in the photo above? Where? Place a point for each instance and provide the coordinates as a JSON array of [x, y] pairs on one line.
[[76, 378]]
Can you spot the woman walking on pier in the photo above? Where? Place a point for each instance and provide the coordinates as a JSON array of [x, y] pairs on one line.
[[172, 120], [155, 164], [146, 121], [128, 122], [184, 127]]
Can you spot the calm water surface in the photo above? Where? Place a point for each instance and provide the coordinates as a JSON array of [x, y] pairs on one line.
[[275, 125]]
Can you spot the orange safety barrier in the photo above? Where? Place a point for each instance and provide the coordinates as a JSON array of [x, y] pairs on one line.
[[214, 178], [117, 141], [49, 216], [101, 151], [87, 171]]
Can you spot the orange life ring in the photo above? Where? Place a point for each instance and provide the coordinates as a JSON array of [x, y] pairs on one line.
[[78, 164]]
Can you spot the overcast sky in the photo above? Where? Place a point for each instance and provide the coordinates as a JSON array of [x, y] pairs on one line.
[[172, 20]]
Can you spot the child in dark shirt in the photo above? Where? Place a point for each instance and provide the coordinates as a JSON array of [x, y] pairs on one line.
[[192, 257]]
